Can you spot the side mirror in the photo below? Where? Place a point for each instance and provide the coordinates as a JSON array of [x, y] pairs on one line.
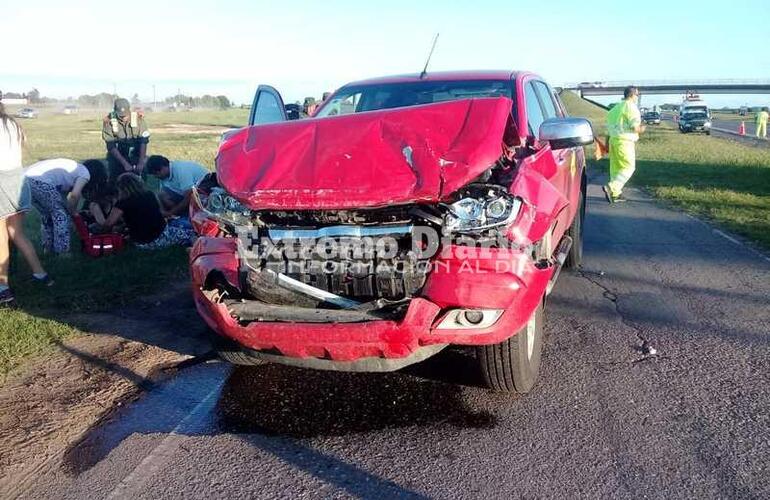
[[563, 133]]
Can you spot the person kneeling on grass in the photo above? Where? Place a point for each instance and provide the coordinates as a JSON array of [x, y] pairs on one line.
[[140, 210], [98, 206], [177, 178], [57, 186]]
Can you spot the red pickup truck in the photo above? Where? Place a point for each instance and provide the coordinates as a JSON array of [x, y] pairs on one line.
[[407, 214]]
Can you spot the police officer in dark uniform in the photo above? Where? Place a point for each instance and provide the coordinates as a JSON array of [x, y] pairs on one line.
[[126, 136]]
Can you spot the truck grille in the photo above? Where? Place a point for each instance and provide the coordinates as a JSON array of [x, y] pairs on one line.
[[365, 262]]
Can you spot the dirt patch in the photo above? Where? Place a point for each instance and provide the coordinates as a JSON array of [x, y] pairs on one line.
[[50, 404]]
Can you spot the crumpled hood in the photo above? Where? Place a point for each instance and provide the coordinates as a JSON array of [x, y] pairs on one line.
[[414, 154]]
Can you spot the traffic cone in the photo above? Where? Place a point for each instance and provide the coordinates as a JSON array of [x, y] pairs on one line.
[[742, 128]]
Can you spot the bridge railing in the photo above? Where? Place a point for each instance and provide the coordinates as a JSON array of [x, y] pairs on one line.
[[666, 83]]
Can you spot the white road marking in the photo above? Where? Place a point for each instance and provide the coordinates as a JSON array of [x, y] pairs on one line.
[[130, 486], [730, 238]]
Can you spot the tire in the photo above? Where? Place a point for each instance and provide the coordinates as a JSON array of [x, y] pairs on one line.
[[575, 231], [514, 365], [230, 352]]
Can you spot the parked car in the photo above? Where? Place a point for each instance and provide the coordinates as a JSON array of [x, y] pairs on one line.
[[651, 118], [408, 214], [26, 113], [70, 110]]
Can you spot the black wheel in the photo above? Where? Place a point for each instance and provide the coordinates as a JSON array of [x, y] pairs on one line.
[[514, 365], [230, 352], [239, 358], [575, 231]]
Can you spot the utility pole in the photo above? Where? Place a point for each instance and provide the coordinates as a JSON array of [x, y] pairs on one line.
[[154, 102]]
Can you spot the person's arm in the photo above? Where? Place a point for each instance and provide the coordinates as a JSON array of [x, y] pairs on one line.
[[181, 207], [112, 145], [112, 149], [115, 215], [142, 158], [144, 138], [97, 214], [634, 118], [73, 197]]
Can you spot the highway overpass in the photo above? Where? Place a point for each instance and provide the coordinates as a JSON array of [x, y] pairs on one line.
[[587, 89]]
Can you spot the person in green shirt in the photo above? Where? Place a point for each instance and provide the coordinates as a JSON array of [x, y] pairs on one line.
[[126, 136], [762, 123], [624, 124]]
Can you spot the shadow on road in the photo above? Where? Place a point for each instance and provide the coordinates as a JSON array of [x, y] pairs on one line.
[[278, 400]]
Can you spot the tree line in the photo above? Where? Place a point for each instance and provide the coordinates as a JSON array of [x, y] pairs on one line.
[[105, 100]]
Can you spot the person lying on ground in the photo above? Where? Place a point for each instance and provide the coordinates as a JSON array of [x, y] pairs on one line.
[[177, 178], [15, 201], [139, 208], [57, 187]]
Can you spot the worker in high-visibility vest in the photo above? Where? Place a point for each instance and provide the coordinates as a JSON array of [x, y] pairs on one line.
[[624, 124], [762, 123]]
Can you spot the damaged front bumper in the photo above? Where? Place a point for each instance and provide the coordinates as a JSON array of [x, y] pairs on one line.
[[377, 336]]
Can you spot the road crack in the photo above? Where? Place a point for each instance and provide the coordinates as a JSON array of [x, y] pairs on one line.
[[645, 347]]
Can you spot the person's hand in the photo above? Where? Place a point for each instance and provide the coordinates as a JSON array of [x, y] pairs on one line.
[[139, 168]]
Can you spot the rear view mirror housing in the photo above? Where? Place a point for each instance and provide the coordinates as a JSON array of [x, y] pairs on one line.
[[563, 133]]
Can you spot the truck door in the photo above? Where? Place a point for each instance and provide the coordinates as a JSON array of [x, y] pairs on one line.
[[567, 160], [267, 107], [553, 165]]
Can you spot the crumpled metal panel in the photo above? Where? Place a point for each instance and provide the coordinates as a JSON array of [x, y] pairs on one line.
[[371, 159]]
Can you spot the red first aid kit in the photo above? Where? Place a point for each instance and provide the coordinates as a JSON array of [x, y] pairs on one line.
[[98, 245]]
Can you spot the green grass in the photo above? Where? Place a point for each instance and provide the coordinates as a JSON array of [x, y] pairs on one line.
[[84, 284], [719, 179]]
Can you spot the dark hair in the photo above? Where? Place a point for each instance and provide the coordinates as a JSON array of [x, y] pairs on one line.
[[128, 185], [5, 118], [155, 163], [98, 182], [629, 91]]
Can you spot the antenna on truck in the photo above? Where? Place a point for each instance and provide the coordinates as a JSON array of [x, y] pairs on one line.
[[430, 54]]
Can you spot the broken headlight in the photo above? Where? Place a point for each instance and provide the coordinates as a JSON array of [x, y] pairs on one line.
[[226, 208], [479, 208]]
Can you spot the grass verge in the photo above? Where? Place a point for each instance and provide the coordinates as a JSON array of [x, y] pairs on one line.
[[715, 178], [88, 285]]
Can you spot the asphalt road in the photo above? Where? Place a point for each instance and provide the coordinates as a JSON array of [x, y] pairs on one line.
[[733, 125], [605, 420]]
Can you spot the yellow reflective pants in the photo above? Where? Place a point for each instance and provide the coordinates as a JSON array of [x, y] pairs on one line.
[[762, 130], [622, 163]]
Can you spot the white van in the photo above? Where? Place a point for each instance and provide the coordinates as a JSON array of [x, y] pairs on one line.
[[694, 116]]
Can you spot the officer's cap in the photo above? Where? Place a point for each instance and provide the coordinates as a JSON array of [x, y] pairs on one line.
[[122, 107]]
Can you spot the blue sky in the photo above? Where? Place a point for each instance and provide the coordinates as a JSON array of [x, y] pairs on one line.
[[304, 48]]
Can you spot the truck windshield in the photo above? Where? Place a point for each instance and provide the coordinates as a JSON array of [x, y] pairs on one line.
[[356, 99], [700, 110]]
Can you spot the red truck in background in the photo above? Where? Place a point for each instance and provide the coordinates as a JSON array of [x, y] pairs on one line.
[[409, 213]]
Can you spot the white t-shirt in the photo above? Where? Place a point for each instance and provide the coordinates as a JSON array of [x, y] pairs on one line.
[[10, 146], [59, 172]]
